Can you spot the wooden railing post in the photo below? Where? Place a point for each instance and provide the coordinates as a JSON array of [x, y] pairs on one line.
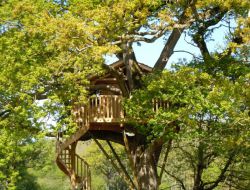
[[102, 108], [108, 108], [72, 155]]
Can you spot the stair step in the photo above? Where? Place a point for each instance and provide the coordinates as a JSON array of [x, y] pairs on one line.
[[74, 138], [64, 160]]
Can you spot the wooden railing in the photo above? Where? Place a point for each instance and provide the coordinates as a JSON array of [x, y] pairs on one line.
[[102, 108], [106, 109], [159, 104], [73, 162]]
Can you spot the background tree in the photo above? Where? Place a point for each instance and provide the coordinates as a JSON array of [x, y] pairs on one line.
[[209, 116], [26, 163]]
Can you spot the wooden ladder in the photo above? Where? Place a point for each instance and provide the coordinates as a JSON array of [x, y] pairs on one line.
[[71, 163]]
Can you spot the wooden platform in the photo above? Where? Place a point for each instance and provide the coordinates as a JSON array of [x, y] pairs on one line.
[[100, 111], [102, 126], [105, 112]]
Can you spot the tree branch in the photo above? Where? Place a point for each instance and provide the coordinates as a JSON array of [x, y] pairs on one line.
[[165, 159], [4, 114], [183, 51], [83, 49], [172, 41], [157, 35], [176, 178], [120, 78], [189, 157], [202, 25], [221, 177], [127, 62], [198, 183]]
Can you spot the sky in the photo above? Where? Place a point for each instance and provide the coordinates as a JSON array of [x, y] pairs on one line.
[[148, 53]]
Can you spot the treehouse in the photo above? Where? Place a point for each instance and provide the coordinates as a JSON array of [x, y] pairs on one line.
[[102, 117], [104, 109]]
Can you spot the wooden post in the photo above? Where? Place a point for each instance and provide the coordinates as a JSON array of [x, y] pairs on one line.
[[89, 180], [73, 179]]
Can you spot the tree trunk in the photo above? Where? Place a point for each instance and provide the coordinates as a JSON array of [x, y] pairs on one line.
[[146, 171], [145, 166], [73, 174]]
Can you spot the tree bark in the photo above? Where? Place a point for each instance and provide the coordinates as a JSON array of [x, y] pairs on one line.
[[126, 60], [143, 160], [145, 167], [172, 40], [168, 49]]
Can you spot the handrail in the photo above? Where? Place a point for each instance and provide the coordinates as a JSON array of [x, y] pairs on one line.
[[102, 108], [107, 108], [72, 164]]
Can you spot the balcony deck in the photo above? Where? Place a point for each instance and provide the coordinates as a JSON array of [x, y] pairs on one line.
[[104, 112]]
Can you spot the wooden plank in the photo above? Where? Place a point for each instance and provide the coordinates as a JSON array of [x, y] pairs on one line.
[[97, 104], [116, 107], [112, 107], [121, 110], [101, 107], [87, 114], [81, 115], [105, 105], [90, 109], [81, 169], [108, 106]]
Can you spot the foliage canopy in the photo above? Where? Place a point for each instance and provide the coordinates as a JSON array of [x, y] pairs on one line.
[[50, 48]]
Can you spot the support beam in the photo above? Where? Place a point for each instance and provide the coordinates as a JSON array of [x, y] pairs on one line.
[[165, 159], [120, 162], [131, 185], [73, 179], [104, 135]]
